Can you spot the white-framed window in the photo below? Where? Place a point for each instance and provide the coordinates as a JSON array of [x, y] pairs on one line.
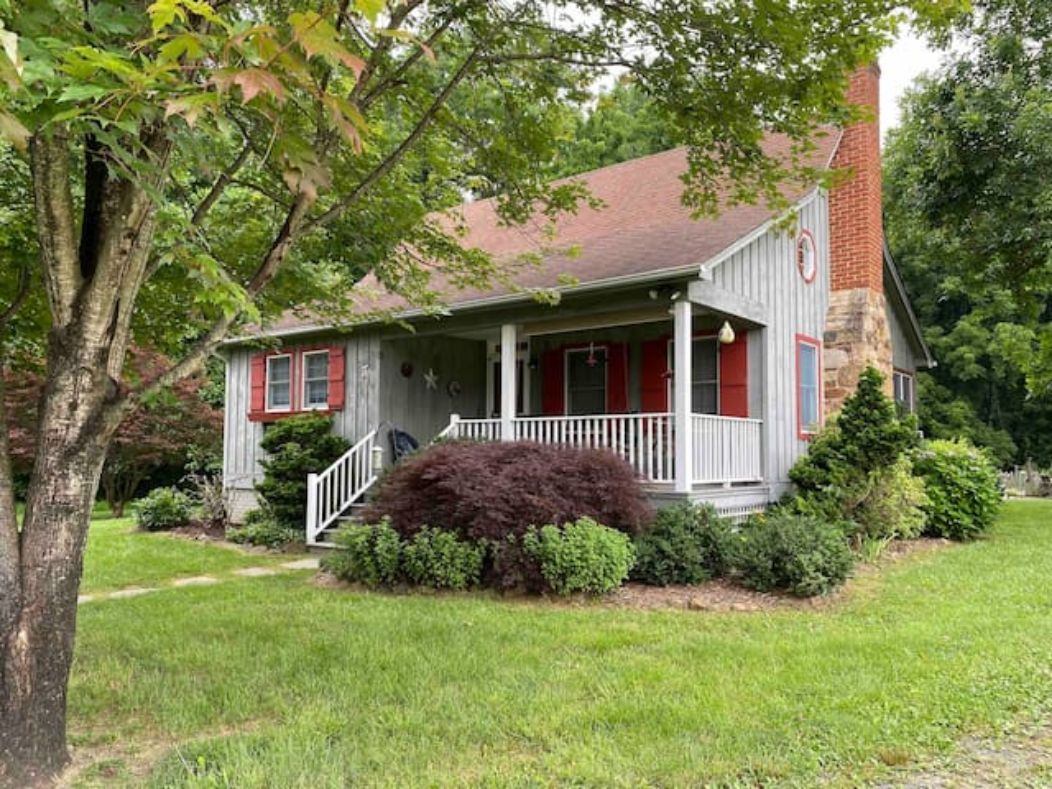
[[904, 391], [586, 380], [808, 386], [806, 256], [279, 383], [315, 380]]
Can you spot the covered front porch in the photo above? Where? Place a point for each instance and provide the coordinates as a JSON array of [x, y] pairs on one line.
[[710, 450]]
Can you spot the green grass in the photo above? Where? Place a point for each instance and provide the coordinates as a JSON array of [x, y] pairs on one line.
[[273, 682], [119, 555]]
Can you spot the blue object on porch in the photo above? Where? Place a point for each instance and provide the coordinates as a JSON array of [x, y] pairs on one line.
[[402, 444]]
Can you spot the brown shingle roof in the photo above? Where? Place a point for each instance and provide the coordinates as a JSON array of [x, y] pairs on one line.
[[643, 228]]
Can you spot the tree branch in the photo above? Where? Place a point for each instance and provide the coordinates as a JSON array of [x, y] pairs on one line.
[[222, 182], [56, 227], [25, 278], [398, 153]]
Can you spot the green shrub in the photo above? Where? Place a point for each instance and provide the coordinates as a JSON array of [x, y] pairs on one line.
[[850, 474], [163, 509], [263, 529], [686, 544], [582, 556], [296, 446], [962, 486], [442, 560], [366, 554], [894, 505], [797, 553]]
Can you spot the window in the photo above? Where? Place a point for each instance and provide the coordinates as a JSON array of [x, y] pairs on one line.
[[586, 380], [806, 256], [904, 390], [279, 383], [705, 377], [315, 380], [808, 386], [296, 380]]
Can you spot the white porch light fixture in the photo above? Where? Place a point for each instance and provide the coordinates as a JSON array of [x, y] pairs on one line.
[[726, 334]]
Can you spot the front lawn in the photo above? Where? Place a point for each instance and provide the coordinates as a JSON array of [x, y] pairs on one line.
[[119, 555], [273, 682]]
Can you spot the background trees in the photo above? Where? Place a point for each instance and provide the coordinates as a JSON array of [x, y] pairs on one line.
[[969, 220]]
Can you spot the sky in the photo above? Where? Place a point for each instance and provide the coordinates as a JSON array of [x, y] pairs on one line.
[[899, 64]]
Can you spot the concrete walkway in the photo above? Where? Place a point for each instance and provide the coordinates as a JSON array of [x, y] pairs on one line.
[[202, 580]]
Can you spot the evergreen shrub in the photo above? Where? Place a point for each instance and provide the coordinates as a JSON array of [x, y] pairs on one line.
[[962, 487], [686, 544], [583, 556], [852, 474], [794, 553], [296, 446]]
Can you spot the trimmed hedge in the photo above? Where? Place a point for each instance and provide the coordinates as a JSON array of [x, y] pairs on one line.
[[795, 553], [583, 556], [686, 544]]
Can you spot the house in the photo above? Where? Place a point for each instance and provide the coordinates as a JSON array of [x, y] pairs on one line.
[[774, 326]]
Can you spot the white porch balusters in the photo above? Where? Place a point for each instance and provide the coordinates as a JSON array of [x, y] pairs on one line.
[[681, 400], [508, 385]]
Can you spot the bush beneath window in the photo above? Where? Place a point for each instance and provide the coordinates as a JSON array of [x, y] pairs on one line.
[[366, 554], [582, 556], [441, 560], [163, 509], [265, 531], [794, 553], [686, 544], [962, 486], [296, 446]]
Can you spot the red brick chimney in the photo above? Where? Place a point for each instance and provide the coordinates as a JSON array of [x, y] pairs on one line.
[[857, 324]]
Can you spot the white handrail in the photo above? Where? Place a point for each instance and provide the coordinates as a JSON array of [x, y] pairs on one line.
[[340, 485]]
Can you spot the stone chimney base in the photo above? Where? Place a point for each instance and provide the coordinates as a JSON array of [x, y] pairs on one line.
[[856, 335]]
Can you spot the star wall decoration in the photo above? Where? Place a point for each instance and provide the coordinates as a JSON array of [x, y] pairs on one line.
[[431, 379]]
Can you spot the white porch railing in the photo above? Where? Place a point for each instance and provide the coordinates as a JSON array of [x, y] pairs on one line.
[[340, 485], [726, 449]]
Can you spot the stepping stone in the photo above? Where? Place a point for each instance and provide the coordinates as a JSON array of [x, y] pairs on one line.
[[84, 598], [131, 591], [200, 580], [302, 564], [255, 572]]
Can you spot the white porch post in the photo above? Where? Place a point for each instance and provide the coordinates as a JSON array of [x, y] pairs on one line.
[[682, 370], [508, 385]]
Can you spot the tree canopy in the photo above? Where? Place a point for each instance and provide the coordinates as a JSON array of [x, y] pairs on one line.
[[969, 210]]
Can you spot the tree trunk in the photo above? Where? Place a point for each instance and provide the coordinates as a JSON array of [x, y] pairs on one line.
[[78, 418]]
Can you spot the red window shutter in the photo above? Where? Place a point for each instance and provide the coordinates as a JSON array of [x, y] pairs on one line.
[[258, 399], [734, 377], [337, 378], [654, 374], [553, 400], [617, 378]]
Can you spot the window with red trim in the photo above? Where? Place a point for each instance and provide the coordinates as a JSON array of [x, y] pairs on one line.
[[293, 381], [808, 386]]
